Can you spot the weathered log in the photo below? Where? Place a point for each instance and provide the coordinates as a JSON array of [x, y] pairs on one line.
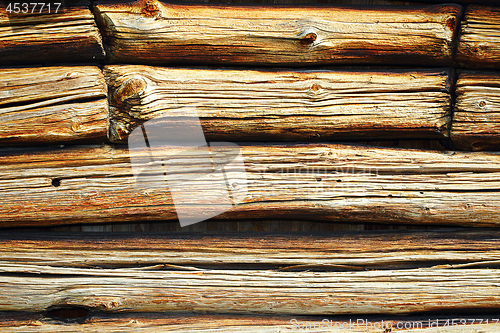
[[52, 104], [209, 323], [151, 32], [370, 274], [457, 248], [476, 120], [284, 105], [479, 45], [324, 182], [46, 32]]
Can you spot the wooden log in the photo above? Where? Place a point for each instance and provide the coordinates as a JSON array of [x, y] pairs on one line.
[[44, 34], [284, 105], [476, 120], [324, 182], [457, 248], [209, 323], [161, 281], [151, 32], [52, 105], [479, 45]]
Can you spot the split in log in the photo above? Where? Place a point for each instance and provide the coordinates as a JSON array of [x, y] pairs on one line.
[[323, 182], [151, 32], [284, 105], [476, 120], [41, 33], [363, 274], [229, 323], [479, 45], [52, 105]]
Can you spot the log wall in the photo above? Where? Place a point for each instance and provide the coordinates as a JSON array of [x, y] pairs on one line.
[[268, 81]]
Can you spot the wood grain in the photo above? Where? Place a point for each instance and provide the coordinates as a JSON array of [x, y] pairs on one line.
[[170, 273], [325, 182], [284, 105], [479, 45], [476, 120], [209, 323], [454, 248], [69, 35], [52, 105], [151, 32]]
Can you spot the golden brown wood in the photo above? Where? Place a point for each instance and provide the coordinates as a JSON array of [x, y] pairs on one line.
[[476, 120], [479, 45], [151, 32], [325, 274], [284, 105], [69, 35], [209, 323], [319, 251], [52, 104], [325, 182]]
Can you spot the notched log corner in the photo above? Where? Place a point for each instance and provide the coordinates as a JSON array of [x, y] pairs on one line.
[[476, 120], [46, 105], [152, 32], [284, 105], [67, 36], [479, 45]]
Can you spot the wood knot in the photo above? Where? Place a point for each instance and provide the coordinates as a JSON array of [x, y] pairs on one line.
[[451, 24], [308, 37], [150, 9], [131, 88]]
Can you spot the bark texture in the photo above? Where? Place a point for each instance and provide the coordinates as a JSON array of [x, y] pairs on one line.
[[151, 32], [52, 105]]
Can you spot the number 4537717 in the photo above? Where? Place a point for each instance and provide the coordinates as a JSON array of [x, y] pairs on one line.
[[32, 7]]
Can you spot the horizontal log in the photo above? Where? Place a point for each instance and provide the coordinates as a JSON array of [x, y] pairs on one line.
[[479, 45], [457, 248], [151, 32], [52, 104], [169, 273], [284, 105], [476, 120], [44, 34], [209, 323], [324, 182]]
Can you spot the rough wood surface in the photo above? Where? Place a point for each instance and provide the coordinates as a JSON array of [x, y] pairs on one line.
[[69, 35], [325, 182], [363, 274], [476, 120], [479, 45], [210, 323], [456, 248], [52, 104], [151, 32], [284, 105]]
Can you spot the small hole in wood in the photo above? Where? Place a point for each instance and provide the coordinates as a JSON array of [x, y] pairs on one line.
[[451, 23], [56, 182], [482, 104], [68, 313], [339, 180]]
